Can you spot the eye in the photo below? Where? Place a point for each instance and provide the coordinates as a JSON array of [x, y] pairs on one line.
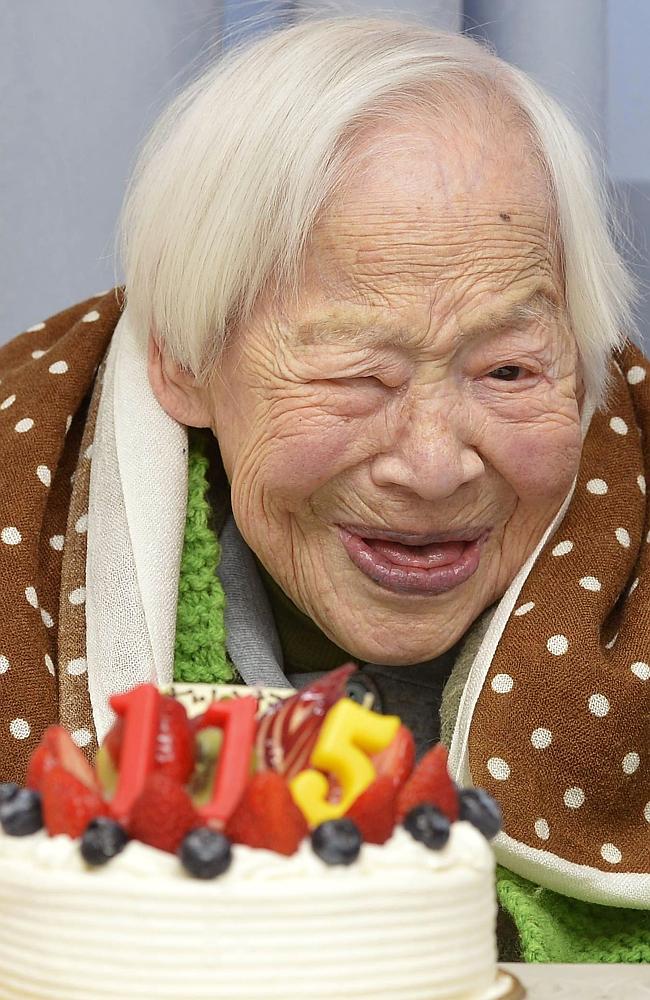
[[507, 373]]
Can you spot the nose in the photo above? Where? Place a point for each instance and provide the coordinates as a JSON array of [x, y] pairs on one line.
[[429, 453]]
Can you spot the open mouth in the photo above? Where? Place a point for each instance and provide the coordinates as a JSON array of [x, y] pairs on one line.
[[433, 567]]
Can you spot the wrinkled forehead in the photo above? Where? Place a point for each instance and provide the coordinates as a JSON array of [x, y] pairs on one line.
[[445, 209]]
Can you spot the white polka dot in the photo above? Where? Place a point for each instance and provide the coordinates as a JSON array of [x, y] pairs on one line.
[[498, 768], [502, 683], [609, 852], [641, 670], [542, 829], [11, 536], [523, 609], [623, 537], [49, 663], [6, 403], [4, 664], [90, 317], [631, 762], [598, 705], [574, 798], [77, 667], [35, 327], [24, 425], [635, 375], [612, 641], [646, 812], [640, 481], [68, 423], [46, 618], [19, 728], [557, 645], [82, 737], [618, 425], [562, 548], [81, 525], [58, 368], [590, 583], [77, 596], [541, 738], [56, 541], [32, 596], [635, 584], [38, 354], [89, 450], [44, 475], [597, 486]]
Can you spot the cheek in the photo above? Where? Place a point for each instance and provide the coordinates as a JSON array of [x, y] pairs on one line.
[[539, 463], [292, 458]]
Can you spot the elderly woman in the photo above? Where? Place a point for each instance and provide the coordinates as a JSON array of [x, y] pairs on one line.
[[368, 266]]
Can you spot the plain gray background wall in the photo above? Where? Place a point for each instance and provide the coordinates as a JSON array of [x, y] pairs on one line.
[[80, 83]]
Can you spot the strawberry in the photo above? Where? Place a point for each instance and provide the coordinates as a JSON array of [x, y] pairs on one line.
[[68, 804], [397, 760], [58, 749], [287, 733], [267, 816], [174, 753], [163, 813], [374, 812], [430, 784]]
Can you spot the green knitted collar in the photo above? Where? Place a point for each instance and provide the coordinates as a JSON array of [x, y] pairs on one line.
[[200, 652]]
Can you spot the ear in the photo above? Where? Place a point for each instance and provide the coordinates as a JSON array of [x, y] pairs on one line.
[[176, 388]]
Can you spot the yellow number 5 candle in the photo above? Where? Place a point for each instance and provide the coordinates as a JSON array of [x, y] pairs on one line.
[[350, 733]]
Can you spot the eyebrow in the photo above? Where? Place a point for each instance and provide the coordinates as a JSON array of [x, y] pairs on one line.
[[368, 328]]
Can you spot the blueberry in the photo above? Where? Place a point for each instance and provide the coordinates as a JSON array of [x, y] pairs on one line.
[[205, 853], [7, 791], [428, 825], [481, 810], [21, 814], [102, 840], [337, 841]]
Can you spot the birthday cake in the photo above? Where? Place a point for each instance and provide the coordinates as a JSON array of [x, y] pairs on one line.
[[251, 848]]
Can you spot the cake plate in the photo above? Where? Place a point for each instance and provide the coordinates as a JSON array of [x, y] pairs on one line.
[[507, 987]]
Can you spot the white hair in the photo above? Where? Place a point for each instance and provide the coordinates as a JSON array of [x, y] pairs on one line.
[[234, 174]]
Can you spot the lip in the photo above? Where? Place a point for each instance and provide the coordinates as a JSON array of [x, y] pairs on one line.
[[415, 538], [413, 580]]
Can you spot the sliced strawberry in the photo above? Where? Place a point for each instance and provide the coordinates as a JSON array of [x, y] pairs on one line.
[[267, 816], [375, 811], [68, 804], [287, 733], [174, 753], [397, 760], [163, 813], [58, 749], [430, 783]]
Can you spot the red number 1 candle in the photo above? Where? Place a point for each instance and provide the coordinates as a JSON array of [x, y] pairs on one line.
[[140, 709], [236, 718]]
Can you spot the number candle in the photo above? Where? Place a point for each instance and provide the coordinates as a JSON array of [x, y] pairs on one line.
[[140, 709], [237, 720], [350, 733]]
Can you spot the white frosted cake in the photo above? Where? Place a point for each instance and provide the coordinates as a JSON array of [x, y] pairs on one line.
[[397, 920]]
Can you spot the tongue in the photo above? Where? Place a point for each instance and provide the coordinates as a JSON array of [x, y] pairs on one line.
[[420, 556]]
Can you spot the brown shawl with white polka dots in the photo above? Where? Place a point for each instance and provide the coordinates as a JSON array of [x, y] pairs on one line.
[[47, 377], [559, 732]]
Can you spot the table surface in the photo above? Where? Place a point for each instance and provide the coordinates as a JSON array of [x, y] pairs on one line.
[[582, 982]]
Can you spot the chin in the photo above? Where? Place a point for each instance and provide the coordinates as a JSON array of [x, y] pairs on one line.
[[391, 656]]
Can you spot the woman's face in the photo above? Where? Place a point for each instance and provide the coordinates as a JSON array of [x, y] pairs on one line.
[[398, 439]]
